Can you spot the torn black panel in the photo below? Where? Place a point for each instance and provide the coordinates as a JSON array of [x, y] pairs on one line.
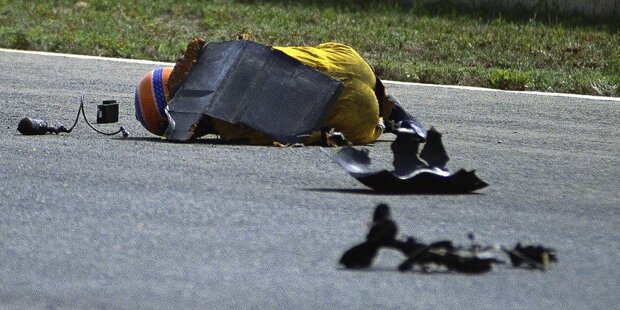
[[410, 174], [243, 82], [405, 150], [433, 153], [400, 122]]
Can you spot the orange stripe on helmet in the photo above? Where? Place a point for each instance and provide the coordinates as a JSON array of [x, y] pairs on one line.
[[166, 75], [152, 96]]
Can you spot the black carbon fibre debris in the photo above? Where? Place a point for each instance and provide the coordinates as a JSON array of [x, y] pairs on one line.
[[425, 173]]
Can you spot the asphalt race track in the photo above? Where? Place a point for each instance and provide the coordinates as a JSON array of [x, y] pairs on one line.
[[90, 221]]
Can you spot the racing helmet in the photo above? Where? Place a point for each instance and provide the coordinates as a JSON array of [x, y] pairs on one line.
[[151, 100]]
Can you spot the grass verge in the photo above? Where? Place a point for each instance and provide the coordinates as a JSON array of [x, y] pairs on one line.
[[402, 43]]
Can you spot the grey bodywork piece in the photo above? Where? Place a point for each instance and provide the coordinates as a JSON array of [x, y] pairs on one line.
[[413, 173], [243, 82]]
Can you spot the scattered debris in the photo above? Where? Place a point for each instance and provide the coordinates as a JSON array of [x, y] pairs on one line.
[[443, 255], [413, 173], [439, 256], [531, 256], [106, 113]]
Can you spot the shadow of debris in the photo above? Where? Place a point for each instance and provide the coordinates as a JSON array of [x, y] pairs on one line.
[[194, 141], [367, 191]]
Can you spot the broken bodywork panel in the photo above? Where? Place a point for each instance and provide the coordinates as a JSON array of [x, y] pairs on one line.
[[413, 173], [243, 82]]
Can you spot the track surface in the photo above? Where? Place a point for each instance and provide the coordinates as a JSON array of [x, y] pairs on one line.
[[88, 221]]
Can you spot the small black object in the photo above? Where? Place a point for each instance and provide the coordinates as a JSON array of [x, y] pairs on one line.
[[33, 126], [107, 112]]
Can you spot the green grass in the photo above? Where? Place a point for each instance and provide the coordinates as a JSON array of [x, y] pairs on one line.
[[402, 43]]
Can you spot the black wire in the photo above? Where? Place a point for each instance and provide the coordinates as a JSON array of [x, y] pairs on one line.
[[81, 110], [95, 129], [77, 117]]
